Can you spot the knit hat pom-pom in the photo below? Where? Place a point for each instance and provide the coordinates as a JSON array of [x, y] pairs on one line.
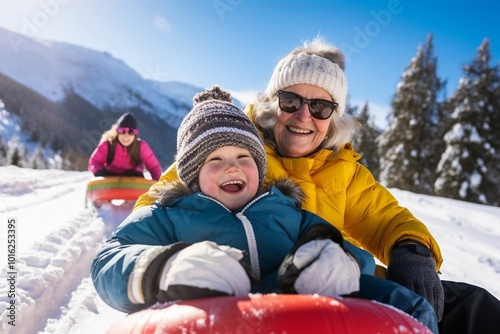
[[213, 93]]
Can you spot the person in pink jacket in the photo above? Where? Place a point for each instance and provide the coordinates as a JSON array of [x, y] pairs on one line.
[[122, 152]]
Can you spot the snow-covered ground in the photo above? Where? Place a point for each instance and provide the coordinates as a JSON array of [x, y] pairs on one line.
[[56, 237]]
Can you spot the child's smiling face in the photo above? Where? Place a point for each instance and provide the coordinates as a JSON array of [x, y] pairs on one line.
[[230, 175], [126, 139]]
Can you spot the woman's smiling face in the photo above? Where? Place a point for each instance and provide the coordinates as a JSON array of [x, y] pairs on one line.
[[299, 134]]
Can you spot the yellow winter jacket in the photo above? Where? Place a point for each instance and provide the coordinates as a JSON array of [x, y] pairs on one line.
[[344, 192]]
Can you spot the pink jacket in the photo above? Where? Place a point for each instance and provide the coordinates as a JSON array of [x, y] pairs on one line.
[[121, 161]]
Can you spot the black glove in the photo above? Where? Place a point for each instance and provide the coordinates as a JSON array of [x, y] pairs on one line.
[[103, 172], [413, 266]]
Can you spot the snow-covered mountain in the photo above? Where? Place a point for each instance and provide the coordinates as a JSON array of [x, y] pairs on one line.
[[57, 236], [47, 85], [52, 69], [12, 137]]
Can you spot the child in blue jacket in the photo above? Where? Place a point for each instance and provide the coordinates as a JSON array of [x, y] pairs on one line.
[[219, 230]]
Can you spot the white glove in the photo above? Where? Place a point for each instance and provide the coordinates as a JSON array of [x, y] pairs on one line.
[[324, 268], [204, 269]]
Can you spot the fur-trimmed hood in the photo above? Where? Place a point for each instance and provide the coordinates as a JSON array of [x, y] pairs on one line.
[[176, 189]]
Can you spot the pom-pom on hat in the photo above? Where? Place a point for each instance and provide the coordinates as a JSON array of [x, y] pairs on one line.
[[214, 122], [305, 68], [127, 120]]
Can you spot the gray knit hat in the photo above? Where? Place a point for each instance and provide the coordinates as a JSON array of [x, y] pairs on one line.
[[213, 123], [305, 68]]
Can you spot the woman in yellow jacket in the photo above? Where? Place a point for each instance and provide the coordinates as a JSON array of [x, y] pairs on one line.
[[302, 119]]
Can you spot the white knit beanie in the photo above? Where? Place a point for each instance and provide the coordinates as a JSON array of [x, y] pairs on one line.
[[213, 123], [303, 68]]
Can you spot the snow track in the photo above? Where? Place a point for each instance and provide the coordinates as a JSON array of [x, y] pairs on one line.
[[53, 289], [61, 262], [20, 193], [48, 269]]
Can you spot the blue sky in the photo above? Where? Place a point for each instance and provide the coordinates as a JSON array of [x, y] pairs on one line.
[[237, 43]]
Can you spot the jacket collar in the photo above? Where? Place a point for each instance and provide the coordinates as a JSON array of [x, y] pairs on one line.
[[176, 189], [314, 162]]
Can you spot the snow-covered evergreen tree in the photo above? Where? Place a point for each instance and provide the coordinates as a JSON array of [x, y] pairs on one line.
[[16, 153], [407, 149], [469, 168], [3, 148], [15, 158], [37, 160], [365, 141], [3, 153]]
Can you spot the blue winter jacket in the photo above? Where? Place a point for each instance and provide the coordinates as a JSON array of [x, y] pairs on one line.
[[266, 229]]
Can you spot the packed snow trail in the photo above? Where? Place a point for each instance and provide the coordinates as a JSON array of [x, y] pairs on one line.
[[53, 260], [50, 271], [47, 269], [78, 314]]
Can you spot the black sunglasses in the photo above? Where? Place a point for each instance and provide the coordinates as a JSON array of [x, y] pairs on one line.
[[318, 108]]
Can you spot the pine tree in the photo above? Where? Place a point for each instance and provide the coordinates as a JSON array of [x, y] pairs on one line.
[[3, 153], [37, 159], [408, 147], [468, 169], [365, 142], [3, 149], [15, 158], [25, 157]]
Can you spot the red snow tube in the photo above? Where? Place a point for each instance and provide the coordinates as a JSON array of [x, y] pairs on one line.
[[108, 188], [270, 314]]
